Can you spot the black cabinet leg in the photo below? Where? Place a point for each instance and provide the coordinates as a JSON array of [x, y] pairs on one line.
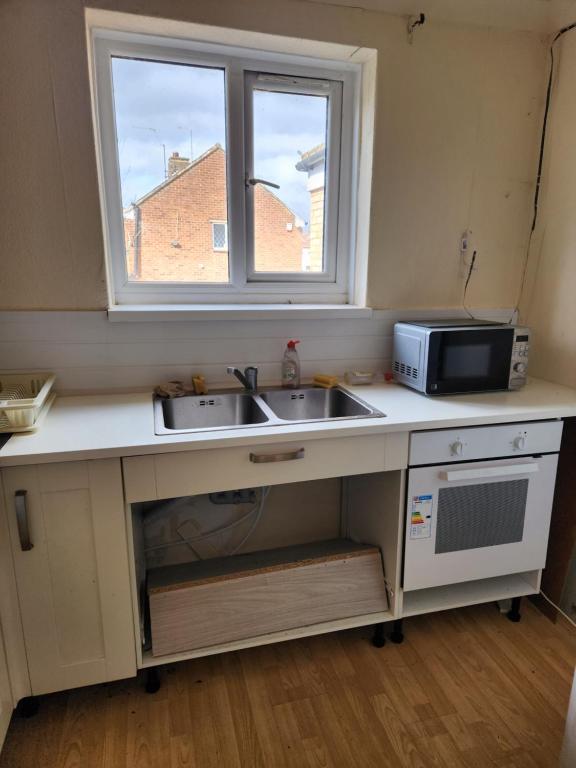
[[379, 638], [28, 706], [397, 635], [514, 612], [152, 684]]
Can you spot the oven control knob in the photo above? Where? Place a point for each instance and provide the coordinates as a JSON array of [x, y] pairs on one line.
[[519, 442], [457, 448], [519, 367]]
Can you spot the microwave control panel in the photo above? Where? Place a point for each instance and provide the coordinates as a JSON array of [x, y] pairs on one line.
[[519, 361]]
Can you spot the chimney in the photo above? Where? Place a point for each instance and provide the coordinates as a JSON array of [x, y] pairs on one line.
[[177, 163]]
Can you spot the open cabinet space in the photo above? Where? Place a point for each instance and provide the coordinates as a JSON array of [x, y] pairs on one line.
[[470, 593], [227, 570]]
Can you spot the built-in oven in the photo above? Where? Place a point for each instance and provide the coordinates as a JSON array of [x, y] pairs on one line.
[[479, 502]]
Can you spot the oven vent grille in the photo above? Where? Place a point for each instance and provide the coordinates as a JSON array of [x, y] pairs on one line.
[[482, 515], [405, 370]]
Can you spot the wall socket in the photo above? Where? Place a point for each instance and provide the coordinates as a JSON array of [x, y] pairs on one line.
[[464, 243], [242, 496], [466, 252]]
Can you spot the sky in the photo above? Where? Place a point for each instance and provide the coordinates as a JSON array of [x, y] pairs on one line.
[[178, 107]]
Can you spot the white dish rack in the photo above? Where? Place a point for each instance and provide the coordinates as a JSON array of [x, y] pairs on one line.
[[24, 399]]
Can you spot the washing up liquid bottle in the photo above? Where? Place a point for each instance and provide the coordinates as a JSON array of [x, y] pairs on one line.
[[291, 366]]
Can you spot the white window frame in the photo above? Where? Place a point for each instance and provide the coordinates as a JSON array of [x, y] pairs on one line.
[[305, 86], [335, 284], [225, 246]]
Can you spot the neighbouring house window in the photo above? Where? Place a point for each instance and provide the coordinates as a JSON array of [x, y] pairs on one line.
[[219, 236], [192, 212]]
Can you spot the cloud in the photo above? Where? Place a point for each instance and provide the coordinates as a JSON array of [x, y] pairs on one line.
[[163, 108]]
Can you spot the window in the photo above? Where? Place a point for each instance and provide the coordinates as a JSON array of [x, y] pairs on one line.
[[219, 236], [224, 178]]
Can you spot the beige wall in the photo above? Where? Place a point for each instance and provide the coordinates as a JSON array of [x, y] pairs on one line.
[[549, 304], [458, 114]]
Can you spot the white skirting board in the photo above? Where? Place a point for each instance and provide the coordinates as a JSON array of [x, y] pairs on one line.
[[568, 756]]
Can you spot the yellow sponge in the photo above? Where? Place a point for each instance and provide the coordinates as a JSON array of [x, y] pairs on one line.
[[199, 384], [320, 380]]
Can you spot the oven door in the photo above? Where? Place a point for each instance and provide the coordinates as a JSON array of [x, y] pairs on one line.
[[468, 360], [477, 520]]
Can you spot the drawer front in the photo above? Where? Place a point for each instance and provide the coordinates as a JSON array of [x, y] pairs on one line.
[[168, 475]]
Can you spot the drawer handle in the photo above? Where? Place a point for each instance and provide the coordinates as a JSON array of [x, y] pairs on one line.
[[270, 458], [22, 521]]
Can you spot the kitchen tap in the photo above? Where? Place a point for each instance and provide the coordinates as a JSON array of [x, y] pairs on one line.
[[248, 379]]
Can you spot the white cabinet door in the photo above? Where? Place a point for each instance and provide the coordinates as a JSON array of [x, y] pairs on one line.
[[72, 575], [10, 616], [5, 693]]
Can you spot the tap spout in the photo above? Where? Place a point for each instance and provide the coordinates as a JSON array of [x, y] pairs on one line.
[[248, 379]]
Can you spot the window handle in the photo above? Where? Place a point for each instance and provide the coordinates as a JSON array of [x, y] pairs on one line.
[[253, 182]]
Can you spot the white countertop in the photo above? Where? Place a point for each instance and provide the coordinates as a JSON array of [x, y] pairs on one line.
[[100, 426]]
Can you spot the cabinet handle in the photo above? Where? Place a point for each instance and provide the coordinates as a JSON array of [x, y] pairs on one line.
[[269, 458], [22, 521]]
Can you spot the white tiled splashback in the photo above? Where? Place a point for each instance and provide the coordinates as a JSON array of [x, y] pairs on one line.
[[89, 353]]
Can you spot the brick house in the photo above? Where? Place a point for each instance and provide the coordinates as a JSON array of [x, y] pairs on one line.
[[178, 230]]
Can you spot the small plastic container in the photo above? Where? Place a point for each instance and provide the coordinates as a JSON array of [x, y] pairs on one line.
[[23, 396], [359, 377]]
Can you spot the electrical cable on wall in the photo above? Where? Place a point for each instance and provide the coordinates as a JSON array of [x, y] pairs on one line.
[[413, 23], [264, 491], [560, 611], [165, 508], [468, 276], [535, 207]]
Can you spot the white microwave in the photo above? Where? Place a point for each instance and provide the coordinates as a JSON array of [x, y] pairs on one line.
[[447, 357]]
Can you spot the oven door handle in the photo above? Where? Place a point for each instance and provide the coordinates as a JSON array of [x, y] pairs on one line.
[[453, 475]]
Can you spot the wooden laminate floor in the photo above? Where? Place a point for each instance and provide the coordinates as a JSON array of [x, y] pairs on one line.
[[466, 688]]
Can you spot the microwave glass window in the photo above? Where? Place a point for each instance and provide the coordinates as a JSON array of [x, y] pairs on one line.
[[469, 361], [466, 361]]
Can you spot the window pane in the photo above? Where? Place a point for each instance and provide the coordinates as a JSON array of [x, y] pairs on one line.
[[219, 236], [171, 128], [289, 150]]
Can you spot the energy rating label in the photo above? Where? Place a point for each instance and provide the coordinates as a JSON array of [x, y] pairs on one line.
[[421, 517]]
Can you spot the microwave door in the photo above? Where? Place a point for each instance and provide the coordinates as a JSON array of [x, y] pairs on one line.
[[477, 520], [469, 360]]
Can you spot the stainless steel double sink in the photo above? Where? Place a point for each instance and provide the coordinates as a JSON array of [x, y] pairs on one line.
[[265, 408]]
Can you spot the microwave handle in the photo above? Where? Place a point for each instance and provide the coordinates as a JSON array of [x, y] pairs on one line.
[[453, 475]]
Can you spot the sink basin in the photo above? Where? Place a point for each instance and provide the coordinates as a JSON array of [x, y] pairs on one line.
[[268, 408], [310, 404], [218, 411]]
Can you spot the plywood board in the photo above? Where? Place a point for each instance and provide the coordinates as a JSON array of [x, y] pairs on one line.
[[227, 599]]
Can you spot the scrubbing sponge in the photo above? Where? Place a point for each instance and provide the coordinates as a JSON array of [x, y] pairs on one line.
[[320, 380], [199, 385]]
